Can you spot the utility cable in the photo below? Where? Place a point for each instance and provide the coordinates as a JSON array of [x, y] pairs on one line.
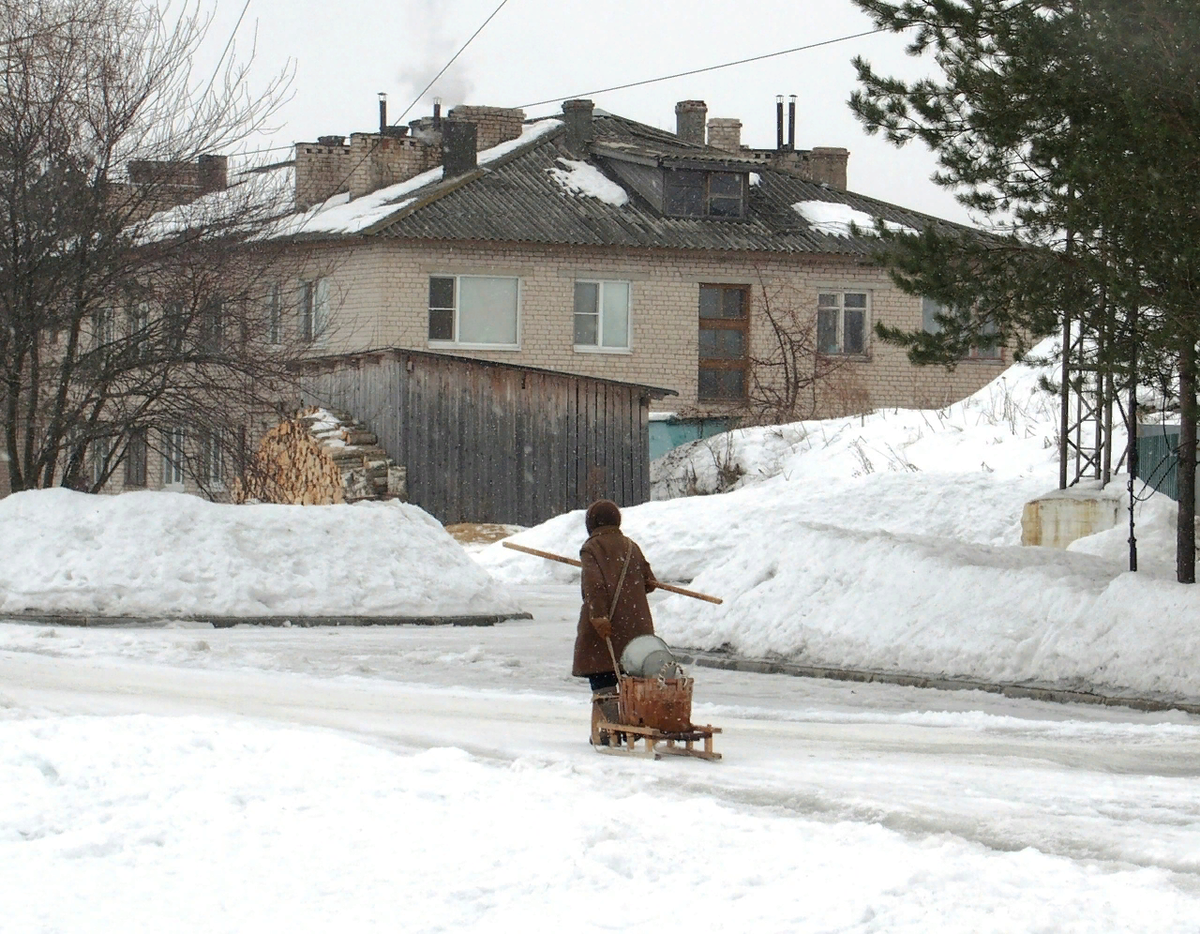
[[698, 71]]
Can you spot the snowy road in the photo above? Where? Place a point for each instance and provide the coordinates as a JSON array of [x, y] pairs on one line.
[[837, 807]]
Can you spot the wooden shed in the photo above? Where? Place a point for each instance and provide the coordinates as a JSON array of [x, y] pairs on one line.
[[483, 441]]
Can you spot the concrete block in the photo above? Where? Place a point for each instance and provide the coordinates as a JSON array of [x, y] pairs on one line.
[[1059, 518]]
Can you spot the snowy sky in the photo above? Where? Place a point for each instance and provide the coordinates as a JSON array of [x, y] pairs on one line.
[[535, 50]]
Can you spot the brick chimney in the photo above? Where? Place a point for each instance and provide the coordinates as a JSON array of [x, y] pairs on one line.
[[578, 116], [689, 121], [212, 173], [725, 133], [494, 125]]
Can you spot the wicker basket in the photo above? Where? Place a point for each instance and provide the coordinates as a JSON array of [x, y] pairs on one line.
[[659, 704]]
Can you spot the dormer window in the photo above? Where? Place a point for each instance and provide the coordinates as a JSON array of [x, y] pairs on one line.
[[693, 193]]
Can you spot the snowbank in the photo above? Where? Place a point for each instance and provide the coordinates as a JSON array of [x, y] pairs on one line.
[[170, 554], [892, 541]]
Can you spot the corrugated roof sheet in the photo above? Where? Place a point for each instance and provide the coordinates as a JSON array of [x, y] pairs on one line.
[[516, 200]]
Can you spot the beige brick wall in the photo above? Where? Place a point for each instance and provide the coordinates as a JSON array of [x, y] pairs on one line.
[[382, 290]]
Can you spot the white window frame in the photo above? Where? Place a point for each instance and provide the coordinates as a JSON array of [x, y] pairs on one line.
[[841, 309], [275, 316], [471, 345], [600, 346], [104, 327], [100, 450], [314, 308], [174, 461], [212, 460]]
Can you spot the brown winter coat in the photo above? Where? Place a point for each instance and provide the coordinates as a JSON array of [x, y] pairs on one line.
[[603, 555]]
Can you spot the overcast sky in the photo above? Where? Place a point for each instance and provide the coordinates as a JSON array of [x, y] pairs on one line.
[[534, 50]]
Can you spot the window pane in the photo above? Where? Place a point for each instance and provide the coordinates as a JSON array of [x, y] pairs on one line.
[[721, 384], [684, 193], [441, 292], [722, 344], [733, 384], [827, 331], [929, 310], [853, 338], [710, 301], [587, 330], [487, 310], [733, 304], [707, 386], [855, 299], [828, 300], [728, 184], [616, 314], [587, 298], [441, 324]]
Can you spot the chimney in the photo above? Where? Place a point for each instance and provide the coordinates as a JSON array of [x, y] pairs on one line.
[[578, 116], [689, 121], [458, 147], [792, 123], [383, 124], [212, 173], [779, 123], [437, 113], [725, 133]]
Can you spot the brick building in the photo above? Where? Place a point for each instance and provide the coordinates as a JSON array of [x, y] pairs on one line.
[[596, 245]]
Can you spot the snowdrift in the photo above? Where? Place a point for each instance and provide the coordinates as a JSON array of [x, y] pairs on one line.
[[169, 554], [891, 541]]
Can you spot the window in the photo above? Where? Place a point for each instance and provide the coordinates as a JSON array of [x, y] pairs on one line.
[[212, 459], [703, 194], [104, 327], [139, 328], [314, 308], [986, 350], [275, 316], [479, 310], [724, 360], [135, 459], [842, 322], [601, 315], [101, 450], [173, 457], [174, 326], [212, 326]]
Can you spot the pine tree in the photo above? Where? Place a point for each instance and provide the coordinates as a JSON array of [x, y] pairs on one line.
[[1075, 126]]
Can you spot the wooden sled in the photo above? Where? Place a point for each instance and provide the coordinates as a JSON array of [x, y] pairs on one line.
[[656, 713], [651, 743]]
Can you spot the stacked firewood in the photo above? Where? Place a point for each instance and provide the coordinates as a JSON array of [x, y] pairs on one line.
[[318, 458]]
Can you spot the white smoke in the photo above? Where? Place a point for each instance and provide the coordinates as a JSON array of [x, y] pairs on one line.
[[430, 49]]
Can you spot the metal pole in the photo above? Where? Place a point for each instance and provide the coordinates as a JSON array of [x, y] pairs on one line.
[[1133, 451]]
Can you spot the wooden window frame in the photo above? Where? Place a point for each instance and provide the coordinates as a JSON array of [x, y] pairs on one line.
[[726, 364]]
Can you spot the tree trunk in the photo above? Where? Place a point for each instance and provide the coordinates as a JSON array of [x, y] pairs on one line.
[[1185, 537]]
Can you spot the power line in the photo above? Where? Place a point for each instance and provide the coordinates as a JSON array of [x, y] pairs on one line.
[[416, 100], [698, 71]]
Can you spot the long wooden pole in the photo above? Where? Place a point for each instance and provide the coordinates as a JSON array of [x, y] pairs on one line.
[[550, 556]]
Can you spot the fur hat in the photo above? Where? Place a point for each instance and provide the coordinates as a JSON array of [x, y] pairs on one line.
[[602, 512]]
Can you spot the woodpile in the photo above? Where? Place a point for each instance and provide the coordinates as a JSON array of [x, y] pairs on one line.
[[318, 458]]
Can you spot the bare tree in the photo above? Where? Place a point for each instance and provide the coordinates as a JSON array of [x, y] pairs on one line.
[[140, 298], [788, 369]]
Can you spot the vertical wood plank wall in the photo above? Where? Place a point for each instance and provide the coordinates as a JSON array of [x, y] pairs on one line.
[[489, 443]]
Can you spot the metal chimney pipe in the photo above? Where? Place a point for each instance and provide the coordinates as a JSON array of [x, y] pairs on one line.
[[792, 123], [437, 112], [779, 122], [382, 113]]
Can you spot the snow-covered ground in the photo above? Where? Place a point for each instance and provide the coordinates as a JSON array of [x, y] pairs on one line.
[[892, 541], [248, 779], [154, 554]]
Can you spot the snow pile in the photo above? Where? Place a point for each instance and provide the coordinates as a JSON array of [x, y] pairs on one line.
[[170, 554], [199, 824], [583, 178], [841, 220], [891, 541]]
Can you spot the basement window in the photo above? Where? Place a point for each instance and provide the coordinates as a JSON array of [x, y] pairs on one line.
[[474, 311]]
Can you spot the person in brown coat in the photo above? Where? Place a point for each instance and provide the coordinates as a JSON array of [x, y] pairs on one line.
[[604, 556]]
